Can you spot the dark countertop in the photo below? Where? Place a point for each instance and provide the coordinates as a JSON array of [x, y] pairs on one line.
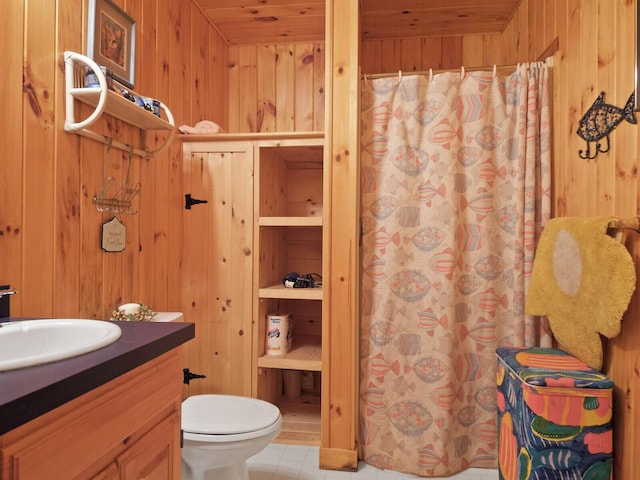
[[27, 393]]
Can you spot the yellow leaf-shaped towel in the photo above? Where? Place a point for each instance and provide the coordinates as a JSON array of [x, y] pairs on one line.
[[582, 280]]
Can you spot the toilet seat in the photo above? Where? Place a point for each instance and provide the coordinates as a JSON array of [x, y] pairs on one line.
[[227, 418]]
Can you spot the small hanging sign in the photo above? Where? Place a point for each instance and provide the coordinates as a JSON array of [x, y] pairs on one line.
[[114, 236]]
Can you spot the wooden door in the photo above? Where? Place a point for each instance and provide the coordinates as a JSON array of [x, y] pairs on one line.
[[217, 265]]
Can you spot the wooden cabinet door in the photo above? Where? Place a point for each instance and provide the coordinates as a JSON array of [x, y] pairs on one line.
[[217, 265], [152, 457], [109, 473]]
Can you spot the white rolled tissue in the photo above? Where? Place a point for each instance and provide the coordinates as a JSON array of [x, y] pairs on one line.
[[279, 334]]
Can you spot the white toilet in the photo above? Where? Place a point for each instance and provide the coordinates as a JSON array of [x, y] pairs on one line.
[[221, 432]]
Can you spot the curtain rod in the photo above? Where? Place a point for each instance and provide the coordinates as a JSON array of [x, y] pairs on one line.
[[462, 70]]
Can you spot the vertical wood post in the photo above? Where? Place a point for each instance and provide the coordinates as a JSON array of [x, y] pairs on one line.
[[341, 234]]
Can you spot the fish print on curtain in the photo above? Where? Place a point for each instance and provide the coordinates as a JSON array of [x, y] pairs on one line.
[[455, 183]]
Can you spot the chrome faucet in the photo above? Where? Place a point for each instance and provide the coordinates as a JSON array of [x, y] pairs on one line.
[[4, 303]]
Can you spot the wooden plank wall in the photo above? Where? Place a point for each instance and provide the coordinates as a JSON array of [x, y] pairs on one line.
[[411, 54], [596, 53], [595, 47], [50, 248], [438, 53], [276, 88]]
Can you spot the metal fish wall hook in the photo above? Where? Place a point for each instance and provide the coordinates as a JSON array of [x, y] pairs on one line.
[[599, 121]]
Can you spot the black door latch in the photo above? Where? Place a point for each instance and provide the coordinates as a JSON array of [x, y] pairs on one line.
[[188, 376], [189, 200]]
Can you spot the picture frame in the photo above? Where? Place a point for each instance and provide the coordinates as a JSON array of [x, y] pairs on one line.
[[111, 40]]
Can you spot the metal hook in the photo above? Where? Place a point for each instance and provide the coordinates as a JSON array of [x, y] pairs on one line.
[[99, 199], [130, 195], [107, 183], [601, 150], [587, 155]]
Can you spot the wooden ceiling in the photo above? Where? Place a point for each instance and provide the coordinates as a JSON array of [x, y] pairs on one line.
[[279, 21]]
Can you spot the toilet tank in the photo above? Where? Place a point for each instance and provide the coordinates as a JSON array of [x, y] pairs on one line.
[[168, 317]]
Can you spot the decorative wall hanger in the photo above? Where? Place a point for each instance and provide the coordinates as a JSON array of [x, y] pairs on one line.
[[600, 120]]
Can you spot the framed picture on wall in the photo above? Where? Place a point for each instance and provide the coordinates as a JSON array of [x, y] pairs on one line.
[[111, 40]]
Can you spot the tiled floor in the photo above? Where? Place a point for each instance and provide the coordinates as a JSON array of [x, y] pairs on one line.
[[296, 462]]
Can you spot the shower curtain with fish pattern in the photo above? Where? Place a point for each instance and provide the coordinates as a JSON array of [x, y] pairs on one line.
[[455, 180]]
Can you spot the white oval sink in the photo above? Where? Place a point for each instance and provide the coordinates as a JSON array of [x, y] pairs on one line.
[[27, 343]]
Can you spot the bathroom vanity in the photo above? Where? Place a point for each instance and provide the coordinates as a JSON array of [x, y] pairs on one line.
[[110, 414]]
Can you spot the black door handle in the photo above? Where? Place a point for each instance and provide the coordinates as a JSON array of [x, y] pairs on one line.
[[189, 200]]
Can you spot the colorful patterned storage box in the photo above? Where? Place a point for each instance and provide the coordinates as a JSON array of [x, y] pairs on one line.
[[554, 417]]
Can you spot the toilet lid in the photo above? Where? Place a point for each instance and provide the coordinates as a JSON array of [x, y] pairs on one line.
[[226, 414]]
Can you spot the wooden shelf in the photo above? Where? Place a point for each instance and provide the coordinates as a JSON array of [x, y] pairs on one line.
[[306, 354], [288, 236], [121, 108], [280, 291], [268, 139], [103, 100], [290, 221], [300, 419]]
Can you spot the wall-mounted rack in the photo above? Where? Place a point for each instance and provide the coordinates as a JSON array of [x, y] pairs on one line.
[[107, 101], [626, 223], [618, 227], [120, 201]]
